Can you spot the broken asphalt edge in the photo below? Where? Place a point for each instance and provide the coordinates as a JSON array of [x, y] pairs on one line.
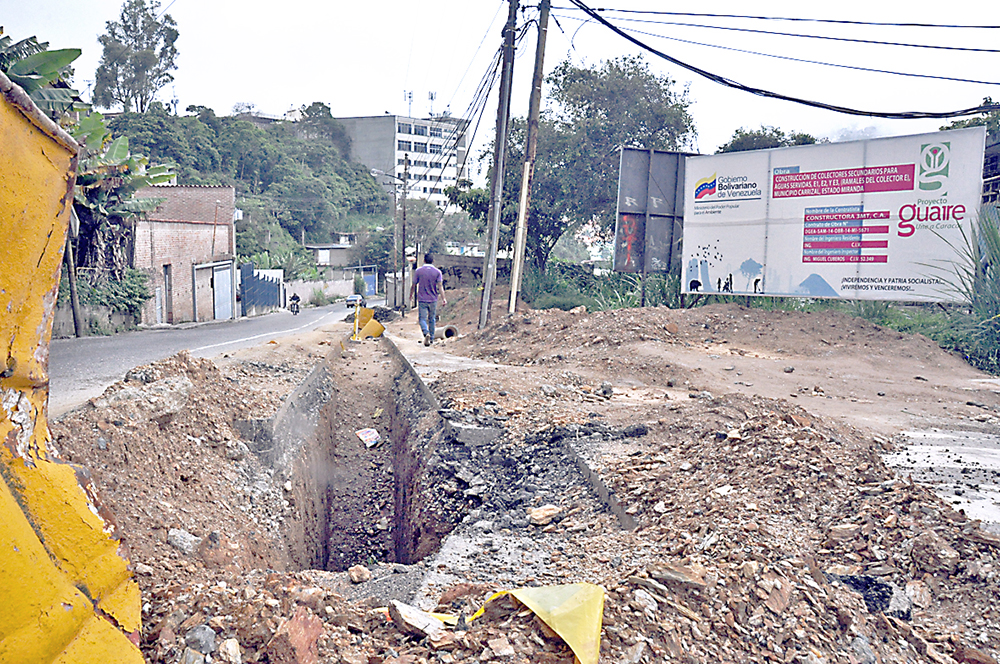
[[589, 473]]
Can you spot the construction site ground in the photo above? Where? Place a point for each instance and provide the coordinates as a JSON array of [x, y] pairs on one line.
[[720, 471]]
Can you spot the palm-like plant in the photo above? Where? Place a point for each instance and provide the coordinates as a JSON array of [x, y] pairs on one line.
[[42, 73], [974, 276], [108, 174]]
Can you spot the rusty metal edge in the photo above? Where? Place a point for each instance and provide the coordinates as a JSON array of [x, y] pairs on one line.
[[16, 95]]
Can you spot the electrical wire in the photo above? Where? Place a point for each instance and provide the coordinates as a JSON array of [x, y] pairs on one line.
[[478, 104], [904, 115], [794, 19], [477, 107], [804, 36], [802, 60], [478, 48]]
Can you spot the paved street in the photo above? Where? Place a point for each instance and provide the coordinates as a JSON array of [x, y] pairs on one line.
[[80, 369]]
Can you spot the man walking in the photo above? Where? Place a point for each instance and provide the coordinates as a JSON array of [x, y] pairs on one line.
[[428, 284]]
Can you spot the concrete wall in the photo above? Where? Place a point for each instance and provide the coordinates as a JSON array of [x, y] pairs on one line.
[[373, 141], [96, 320], [332, 288]]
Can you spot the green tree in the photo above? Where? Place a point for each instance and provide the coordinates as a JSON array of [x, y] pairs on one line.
[[317, 124], [765, 138], [108, 174], [600, 109], [139, 54], [422, 221], [375, 247], [990, 120], [594, 112], [292, 182]]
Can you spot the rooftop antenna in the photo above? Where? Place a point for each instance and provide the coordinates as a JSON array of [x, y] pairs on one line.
[[408, 98], [431, 96]]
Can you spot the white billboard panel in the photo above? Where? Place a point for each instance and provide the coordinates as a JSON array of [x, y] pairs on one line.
[[865, 220]]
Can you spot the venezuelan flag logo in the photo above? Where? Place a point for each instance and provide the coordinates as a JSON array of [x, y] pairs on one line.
[[704, 187]]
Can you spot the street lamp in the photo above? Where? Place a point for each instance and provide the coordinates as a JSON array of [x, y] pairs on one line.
[[399, 296]]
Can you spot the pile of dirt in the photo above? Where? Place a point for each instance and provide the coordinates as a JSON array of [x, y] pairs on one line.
[[744, 447]]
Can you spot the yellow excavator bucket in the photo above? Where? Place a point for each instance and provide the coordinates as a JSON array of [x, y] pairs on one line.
[[66, 595]]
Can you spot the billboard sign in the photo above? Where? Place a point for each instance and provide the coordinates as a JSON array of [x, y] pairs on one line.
[[863, 220], [650, 210]]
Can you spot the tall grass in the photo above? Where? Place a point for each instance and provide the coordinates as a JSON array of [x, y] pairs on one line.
[[974, 276]]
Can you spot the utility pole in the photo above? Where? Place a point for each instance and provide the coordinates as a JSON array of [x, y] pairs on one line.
[[395, 245], [499, 156], [406, 183], [534, 107]]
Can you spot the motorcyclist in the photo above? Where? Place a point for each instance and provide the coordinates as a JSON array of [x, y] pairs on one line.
[[293, 303]]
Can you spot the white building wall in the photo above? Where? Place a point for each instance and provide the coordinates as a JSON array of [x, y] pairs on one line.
[[436, 148]]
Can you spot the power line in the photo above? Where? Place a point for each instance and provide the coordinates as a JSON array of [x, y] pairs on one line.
[[804, 36], [478, 104], [802, 60], [793, 19], [478, 48], [775, 95]]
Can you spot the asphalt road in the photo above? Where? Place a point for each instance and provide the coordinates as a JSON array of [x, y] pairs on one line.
[[80, 369]]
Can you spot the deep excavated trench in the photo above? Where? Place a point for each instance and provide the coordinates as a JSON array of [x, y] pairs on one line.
[[396, 502], [355, 504]]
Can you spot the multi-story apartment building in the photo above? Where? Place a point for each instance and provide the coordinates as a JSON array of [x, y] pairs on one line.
[[436, 148], [991, 171]]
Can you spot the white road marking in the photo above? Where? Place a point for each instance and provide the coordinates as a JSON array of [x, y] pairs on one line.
[[281, 333]]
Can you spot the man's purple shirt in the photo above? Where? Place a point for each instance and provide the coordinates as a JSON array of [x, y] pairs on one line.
[[427, 277]]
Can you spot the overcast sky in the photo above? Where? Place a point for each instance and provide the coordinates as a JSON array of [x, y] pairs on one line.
[[360, 57]]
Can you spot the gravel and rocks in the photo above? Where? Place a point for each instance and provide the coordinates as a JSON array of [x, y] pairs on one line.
[[756, 522]]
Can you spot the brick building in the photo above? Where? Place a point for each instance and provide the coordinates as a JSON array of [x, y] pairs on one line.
[[187, 247]]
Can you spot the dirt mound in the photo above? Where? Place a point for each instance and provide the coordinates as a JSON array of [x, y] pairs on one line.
[[163, 450]]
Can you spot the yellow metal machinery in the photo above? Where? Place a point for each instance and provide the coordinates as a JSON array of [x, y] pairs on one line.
[[66, 595]]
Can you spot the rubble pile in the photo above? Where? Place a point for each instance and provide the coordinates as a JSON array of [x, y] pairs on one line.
[[176, 473], [296, 619], [733, 527]]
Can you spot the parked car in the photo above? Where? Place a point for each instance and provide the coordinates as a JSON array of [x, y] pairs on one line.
[[355, 300]]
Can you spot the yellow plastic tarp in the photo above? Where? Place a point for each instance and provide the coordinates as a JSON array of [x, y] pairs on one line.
[[573, 611]]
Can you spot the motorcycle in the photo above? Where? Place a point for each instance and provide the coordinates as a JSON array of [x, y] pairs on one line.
[[293, 306]]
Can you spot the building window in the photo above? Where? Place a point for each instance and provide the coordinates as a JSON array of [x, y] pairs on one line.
[[404, 128], [420, 130], [419, 147], [434, 148], [435, 190], [420, 164], [400, 162], [435, 164], [405, 146], [435, 132]]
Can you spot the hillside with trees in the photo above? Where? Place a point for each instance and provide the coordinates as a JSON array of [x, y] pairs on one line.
[[293, 180]]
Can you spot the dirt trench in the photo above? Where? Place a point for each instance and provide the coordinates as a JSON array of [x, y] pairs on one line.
[[355, 504]]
